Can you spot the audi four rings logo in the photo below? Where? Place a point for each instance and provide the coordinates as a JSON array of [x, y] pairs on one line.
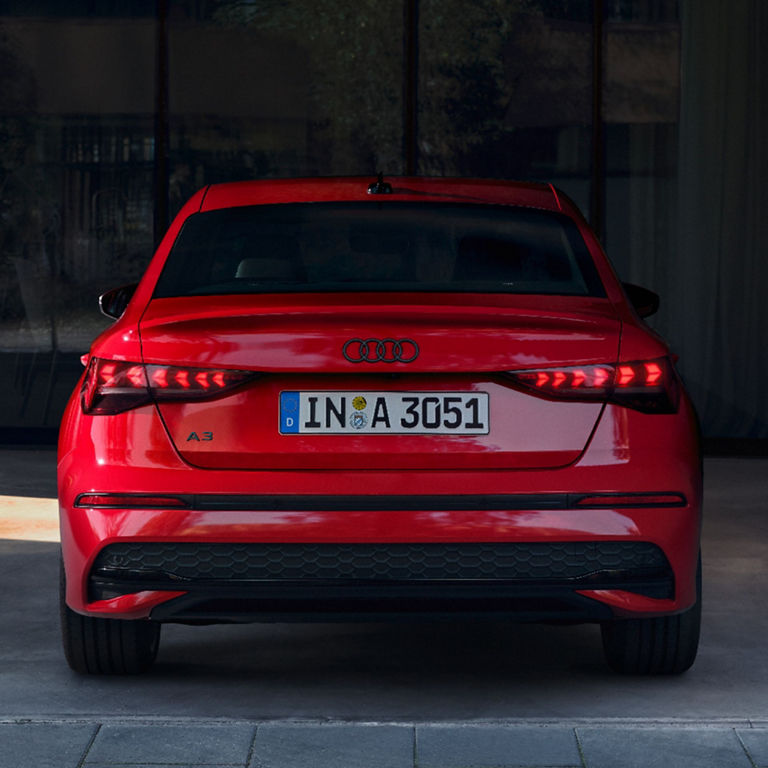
[[381, 350]]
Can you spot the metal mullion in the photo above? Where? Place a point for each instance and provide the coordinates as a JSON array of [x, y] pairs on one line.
[[597, 180]]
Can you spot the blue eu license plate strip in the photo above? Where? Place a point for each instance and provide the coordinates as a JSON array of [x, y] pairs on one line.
[[289, 413], [421, 413]]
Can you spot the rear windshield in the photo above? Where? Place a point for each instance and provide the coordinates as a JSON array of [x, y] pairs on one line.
[[338, 247]]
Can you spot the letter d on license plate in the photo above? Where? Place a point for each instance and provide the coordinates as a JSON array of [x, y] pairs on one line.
[[419, 413]]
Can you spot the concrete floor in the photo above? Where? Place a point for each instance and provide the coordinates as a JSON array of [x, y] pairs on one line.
[[421, 672]]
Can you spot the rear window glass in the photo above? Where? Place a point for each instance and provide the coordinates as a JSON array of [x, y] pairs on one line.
[[337, 247]]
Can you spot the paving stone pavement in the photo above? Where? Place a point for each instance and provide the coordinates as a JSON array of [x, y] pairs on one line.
[[113, 743]]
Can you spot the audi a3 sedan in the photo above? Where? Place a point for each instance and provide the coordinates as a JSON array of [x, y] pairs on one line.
[[330, 400]]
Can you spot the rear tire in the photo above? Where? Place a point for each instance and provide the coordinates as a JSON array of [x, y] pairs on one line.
[[95, 646], [661, 646]]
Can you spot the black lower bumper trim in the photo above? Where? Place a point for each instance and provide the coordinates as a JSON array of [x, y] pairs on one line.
[[254, 581], [377, 503], [363, 603]]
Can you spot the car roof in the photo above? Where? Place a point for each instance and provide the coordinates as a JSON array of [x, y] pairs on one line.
[[412, 189]]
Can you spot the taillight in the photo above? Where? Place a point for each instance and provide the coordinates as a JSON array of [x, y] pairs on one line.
[[113, 386], [646, 385]]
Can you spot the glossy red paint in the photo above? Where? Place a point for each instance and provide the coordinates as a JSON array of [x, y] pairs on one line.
[[133, 606], [623, 452], [312, 190], [537, 445]]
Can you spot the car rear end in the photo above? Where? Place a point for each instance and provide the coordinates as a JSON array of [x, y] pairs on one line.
[[323, 404]]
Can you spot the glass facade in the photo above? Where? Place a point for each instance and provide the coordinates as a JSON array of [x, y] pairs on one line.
[[505, 90], [77, 153], [282, 89], [112, 113]]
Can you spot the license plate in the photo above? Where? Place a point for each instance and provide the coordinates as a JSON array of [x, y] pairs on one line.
[[394, 413]]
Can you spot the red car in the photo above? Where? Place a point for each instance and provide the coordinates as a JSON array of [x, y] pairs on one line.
[[329, 398]]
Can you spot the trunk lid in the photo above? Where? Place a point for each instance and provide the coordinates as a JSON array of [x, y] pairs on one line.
[[450, 407]]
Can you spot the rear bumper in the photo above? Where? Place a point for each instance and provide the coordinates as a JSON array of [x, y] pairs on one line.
[[384, 508], [519, 561]]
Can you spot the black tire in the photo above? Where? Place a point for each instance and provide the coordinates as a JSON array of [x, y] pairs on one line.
[[660, 646], [106, 646]]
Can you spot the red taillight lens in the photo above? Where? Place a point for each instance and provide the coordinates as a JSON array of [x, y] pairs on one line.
[[647, 385], [567, 382], [632, 500], [129, 501], [113, 386], [171, 382]]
